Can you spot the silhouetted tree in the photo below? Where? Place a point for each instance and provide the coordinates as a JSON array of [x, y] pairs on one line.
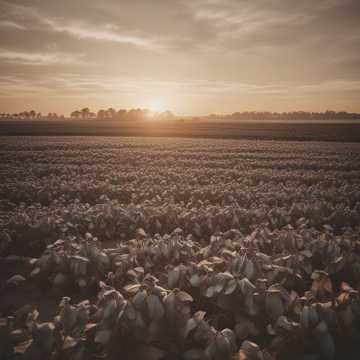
[[85, 112], [76, 114], [101, 114], [121, 114], [111, 113], [166, 115]]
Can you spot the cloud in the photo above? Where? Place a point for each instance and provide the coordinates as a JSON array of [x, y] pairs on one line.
[[65, 92], [80, 29], [33, 58], [239, 24], [11, 25], [105, 32], [247, 16], [332, 86], [234, 51], [72, 83]]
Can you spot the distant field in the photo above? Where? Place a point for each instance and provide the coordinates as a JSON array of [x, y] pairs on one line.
[[199, 129]]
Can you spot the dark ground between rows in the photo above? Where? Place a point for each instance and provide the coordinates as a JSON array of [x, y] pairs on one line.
[[186, 129]]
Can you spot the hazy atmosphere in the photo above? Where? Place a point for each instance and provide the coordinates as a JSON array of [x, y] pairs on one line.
[[179, 180], [190, 57]]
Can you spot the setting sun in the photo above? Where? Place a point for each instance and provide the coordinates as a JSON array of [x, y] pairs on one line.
[[155, 105]]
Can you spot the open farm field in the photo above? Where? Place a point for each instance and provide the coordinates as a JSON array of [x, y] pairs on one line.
[[262, 130], [170, 248]]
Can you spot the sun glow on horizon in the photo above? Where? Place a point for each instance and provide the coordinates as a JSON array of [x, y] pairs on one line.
[[155, 105]]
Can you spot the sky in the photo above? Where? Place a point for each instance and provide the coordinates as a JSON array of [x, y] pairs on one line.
[[193, 57]]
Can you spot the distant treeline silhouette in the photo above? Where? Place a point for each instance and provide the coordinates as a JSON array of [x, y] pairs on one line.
[[143, 114], [32, 114], [102, 114], [293, 115], [122, 114]]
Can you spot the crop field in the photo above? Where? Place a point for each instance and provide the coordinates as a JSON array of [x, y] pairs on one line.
[[262, 130], [168, 248]]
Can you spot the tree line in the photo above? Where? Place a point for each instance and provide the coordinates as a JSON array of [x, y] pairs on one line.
[[293, 115], [32, 114], [86, 114], [121, 114], [143, 114]]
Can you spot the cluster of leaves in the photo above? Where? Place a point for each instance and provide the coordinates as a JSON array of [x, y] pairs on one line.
[[181, 249], [168, 297], [32, 228]]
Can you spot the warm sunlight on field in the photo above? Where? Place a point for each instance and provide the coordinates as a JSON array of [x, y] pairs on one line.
[[119, 240], [179, 180]]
